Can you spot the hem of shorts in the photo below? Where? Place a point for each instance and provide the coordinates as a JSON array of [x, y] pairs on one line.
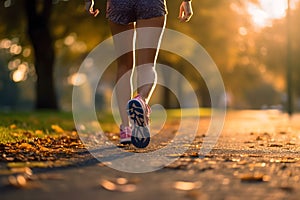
[[160, 15], [130, 22]]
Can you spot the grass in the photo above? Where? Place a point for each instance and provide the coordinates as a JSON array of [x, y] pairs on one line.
[[16, 126], [189, 112]]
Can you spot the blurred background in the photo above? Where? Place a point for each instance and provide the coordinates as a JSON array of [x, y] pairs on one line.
[[254, 43]]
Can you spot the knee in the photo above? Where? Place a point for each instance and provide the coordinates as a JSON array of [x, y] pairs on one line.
[[146, 69], [146, 73]]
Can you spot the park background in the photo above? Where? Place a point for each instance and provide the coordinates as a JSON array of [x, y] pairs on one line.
[[254, 43]]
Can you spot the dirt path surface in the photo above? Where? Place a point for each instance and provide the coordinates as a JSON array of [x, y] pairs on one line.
[[257, 156]]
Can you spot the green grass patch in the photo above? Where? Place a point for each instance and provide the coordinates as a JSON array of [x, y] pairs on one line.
[[17, 126], [37, 120]]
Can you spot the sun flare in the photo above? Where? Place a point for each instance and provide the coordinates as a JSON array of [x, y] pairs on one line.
[[266, 11]]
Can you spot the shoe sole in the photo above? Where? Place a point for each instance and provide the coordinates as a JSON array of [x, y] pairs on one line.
[[140, 137], [127, 141]]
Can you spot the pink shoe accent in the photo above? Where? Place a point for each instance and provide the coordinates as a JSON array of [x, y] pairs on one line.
[[125, 135]]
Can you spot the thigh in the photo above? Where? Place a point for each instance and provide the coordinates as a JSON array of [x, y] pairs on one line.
[[123, 42]]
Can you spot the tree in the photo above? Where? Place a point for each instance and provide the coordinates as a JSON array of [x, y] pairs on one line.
[[249, 61], [38, 16], [46, 23]]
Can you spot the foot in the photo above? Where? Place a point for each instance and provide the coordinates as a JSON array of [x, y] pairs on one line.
[[125, 135], [139, 114]]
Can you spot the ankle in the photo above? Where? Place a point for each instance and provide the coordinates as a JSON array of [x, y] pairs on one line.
[[142, 97], [123, 127]]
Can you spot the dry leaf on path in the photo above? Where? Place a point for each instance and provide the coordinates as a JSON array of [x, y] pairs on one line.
[[254, 177], [120, 185], [17, 181], [186, 186]]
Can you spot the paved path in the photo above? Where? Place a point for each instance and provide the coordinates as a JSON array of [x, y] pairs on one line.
[[257, 156]]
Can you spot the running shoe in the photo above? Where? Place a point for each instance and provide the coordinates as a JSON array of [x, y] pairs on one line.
[[139, 114], [125, 135]]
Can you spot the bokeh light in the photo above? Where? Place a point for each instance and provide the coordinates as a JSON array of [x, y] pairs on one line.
[[77, 79]]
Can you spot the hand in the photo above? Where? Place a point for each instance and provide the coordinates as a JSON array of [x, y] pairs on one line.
[[89, 7], [185, 11]]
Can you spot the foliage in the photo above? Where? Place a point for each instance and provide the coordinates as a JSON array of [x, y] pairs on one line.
[[249, 59]]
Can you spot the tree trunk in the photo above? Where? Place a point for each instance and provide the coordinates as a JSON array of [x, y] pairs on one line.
[[38, 16]]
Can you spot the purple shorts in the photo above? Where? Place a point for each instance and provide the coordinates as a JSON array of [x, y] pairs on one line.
[[128, 11]]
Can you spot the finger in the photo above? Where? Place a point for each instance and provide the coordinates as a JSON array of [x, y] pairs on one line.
[[91, 12], [188, 16], [181, 9], [96, 12], [182, 19], [187, 19]]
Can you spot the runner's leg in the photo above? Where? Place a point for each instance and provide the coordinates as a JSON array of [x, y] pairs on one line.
[[146, 57], [124, 65]]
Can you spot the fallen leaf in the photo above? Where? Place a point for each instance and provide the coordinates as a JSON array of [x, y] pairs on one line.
[[275, 145], [261, 165], [174, 155], [186, 186], [25, 170], [17, 181], [104, 164], [254, 177], [57, 128], [121, 181], [283, 160], [259, 138], [39, 132], [120, 185], [242, 162], [291, 143], [25, 146], [282, 132], [13, 126], [108, 185]]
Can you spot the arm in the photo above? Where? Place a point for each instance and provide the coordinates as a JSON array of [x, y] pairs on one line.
[[185, 11], [89, 7]]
